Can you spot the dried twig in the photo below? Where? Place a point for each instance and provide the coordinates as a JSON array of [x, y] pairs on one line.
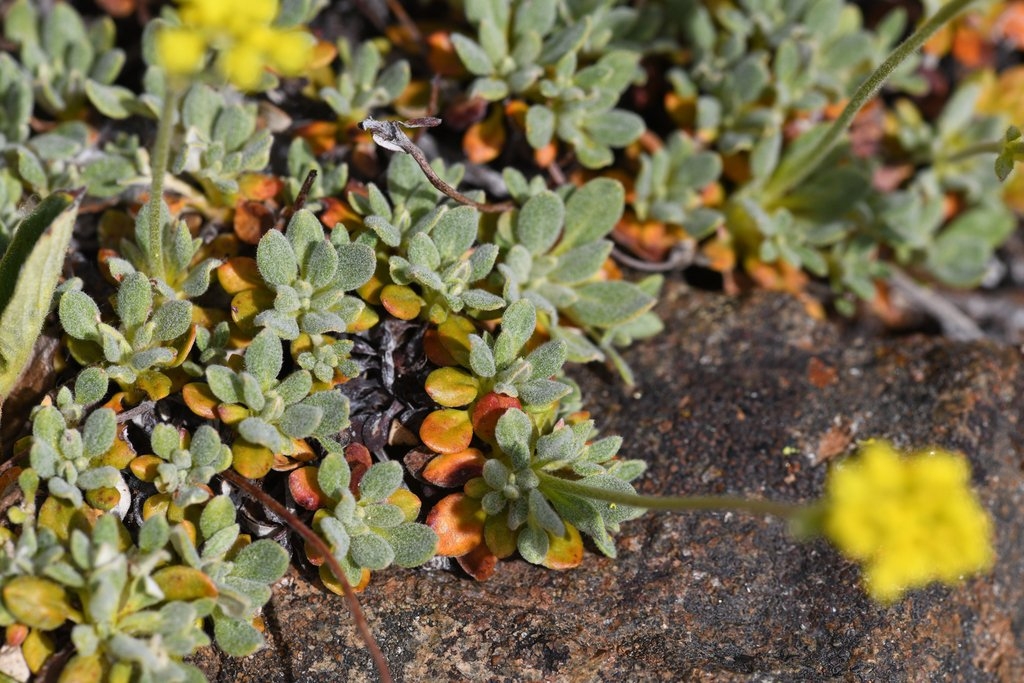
[[680, 256], [300, 201], [954, 322], [318, 544], [389, 135]]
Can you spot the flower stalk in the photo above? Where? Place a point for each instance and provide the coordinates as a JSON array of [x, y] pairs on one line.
[[804, 165]]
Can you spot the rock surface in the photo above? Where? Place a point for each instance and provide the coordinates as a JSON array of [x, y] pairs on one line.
[[744, 396]]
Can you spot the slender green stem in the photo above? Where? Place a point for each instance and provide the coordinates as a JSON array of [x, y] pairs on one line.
[[675, 503], [158, 168], [971, 151], [804, 167]]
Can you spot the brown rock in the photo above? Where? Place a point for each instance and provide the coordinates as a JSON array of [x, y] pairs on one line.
[[716, 596]]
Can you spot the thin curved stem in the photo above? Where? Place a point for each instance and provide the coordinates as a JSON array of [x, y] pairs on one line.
[[801, 168], [674, 503], [321, 547], [158, 168]]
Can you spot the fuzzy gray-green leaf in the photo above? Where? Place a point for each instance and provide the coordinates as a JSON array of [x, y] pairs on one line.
[[539, 222], [79, 314], [333, 475], [380, 481], [265, 356], [300, 421], [517, 326], [356, 263], [236, 637], [371, 551], [172, 319], [412, 543], [134, 300], [264, 561], [591, 212], [223, 383], [28, 276], [533, 544], [540, 126], [276, 260], [481, 358], [99, 432], [581, 263], [472, 55], [334, 405], [321, 264], [603, 304]]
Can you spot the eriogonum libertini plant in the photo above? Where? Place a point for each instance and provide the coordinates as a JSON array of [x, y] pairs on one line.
[[388, 352]]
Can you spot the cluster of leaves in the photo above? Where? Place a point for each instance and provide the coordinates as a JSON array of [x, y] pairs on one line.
[[258, 316]]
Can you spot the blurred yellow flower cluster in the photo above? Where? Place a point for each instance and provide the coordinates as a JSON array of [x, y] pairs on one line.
[[909, 520], [240, 31]]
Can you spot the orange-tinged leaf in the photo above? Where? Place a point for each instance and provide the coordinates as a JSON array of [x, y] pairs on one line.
[[104, 498], [15, 634], [38, 647], [36, 602], [564, 552], [252, 220], [359, 460], [337, 211], [434, 350], [479, 562], [451, 470], [246, 305], [453, 334], [408, 502], [499, 538], [239, 273], [223, 247], [301, 452], [232, 413], [458, 521], [488, 409], [156, 385], [144, 467], [321, 135], [179, 582], [401, 301], [156, 504], [441, 56], [721, 256], [60, 516], [452, 387], [332, 583], [483, 141], [259, 186], [546, 155], [447, 431], [119, 455], [370, 290], [251, 460], [366, 319], [200, 399]]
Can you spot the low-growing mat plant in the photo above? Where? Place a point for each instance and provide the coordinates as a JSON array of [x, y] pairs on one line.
[[327, 308]]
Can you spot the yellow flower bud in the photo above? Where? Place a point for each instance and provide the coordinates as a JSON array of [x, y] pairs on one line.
[[291, 52], [242, 65], [180, 51], [910, 520]]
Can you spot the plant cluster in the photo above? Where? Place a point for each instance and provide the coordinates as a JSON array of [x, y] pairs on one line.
[[288, 310]]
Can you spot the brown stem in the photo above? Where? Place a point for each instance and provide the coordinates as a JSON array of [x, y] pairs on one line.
[[300, 201], [321, 547], [389, 135], [407, 23]]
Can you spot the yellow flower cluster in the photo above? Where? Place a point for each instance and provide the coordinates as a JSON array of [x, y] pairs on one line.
[[909, 520], [240, 31]]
